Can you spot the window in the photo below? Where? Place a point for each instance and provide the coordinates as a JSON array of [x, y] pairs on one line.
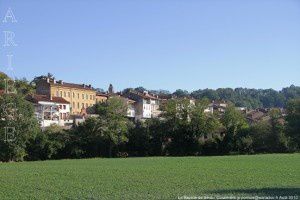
[[82, 105], [57, 93], [86, 96], [69, 94], [86, 105], [60, 93], [65, 94], [78, 97], [78, 105], [91, 97], [73, 104], [64, 107], [73, 95], [82, 96]]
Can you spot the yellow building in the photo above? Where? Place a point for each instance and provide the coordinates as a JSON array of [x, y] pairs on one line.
[[80, 96], [101, 97]]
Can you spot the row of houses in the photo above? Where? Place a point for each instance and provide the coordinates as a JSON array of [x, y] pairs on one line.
[[63, 104]]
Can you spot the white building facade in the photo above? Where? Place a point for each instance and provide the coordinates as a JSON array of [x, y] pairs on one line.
[[146, 106], [51, 111]]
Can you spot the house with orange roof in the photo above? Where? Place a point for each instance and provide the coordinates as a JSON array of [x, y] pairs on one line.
[[51, 110]]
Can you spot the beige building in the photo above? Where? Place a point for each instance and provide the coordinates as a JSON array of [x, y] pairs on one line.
[[80, 96], [101, 97]]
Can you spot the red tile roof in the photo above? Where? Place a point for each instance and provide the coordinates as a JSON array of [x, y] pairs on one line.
[[145, 95], [65, 84], [73, 85], [36, 98], [102, 94]]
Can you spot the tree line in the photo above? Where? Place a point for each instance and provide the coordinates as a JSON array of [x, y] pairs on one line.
[[241, 97], [182, 130]]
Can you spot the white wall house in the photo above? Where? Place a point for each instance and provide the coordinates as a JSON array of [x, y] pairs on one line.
[[51, 111], [131, 111], [146, 106]]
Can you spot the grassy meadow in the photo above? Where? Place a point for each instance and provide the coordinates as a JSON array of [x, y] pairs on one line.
[[152, 177]]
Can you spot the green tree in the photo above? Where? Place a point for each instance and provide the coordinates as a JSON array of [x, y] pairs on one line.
[[113, 122], [140, 89], [278, 137], [177, 125], [47, 144], [261, 134], [24, 87], [179, 93], [293, 123], [38, 78], [17, 126], [86, 140], [203, 124], [234, 122], [3, 77], [139, 140]]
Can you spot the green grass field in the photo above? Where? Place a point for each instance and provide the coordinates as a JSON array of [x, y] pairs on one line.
[[152, 178]]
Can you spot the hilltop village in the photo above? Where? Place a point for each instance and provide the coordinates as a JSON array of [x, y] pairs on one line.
[[67, 104]]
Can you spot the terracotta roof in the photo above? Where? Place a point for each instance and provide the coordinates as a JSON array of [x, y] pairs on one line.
[[54, 82], [73, 85], [130, 101], [255, 115], [101, 94], [119, 94], [36, 98], [144, 95]]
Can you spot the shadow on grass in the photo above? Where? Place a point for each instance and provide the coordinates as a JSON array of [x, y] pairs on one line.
[[262, 192]]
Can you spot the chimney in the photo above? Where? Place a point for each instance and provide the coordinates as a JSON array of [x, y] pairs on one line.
[[48, 80], [54, 81]]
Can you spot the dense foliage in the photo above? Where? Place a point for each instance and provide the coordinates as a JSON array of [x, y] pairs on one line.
[[182, 129], [240, 97], [250, 98], [18, 126]]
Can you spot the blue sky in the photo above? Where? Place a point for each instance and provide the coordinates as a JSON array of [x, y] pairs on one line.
[[158, 44]]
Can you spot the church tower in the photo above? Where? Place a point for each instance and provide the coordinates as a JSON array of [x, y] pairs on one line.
[[110, 89]]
